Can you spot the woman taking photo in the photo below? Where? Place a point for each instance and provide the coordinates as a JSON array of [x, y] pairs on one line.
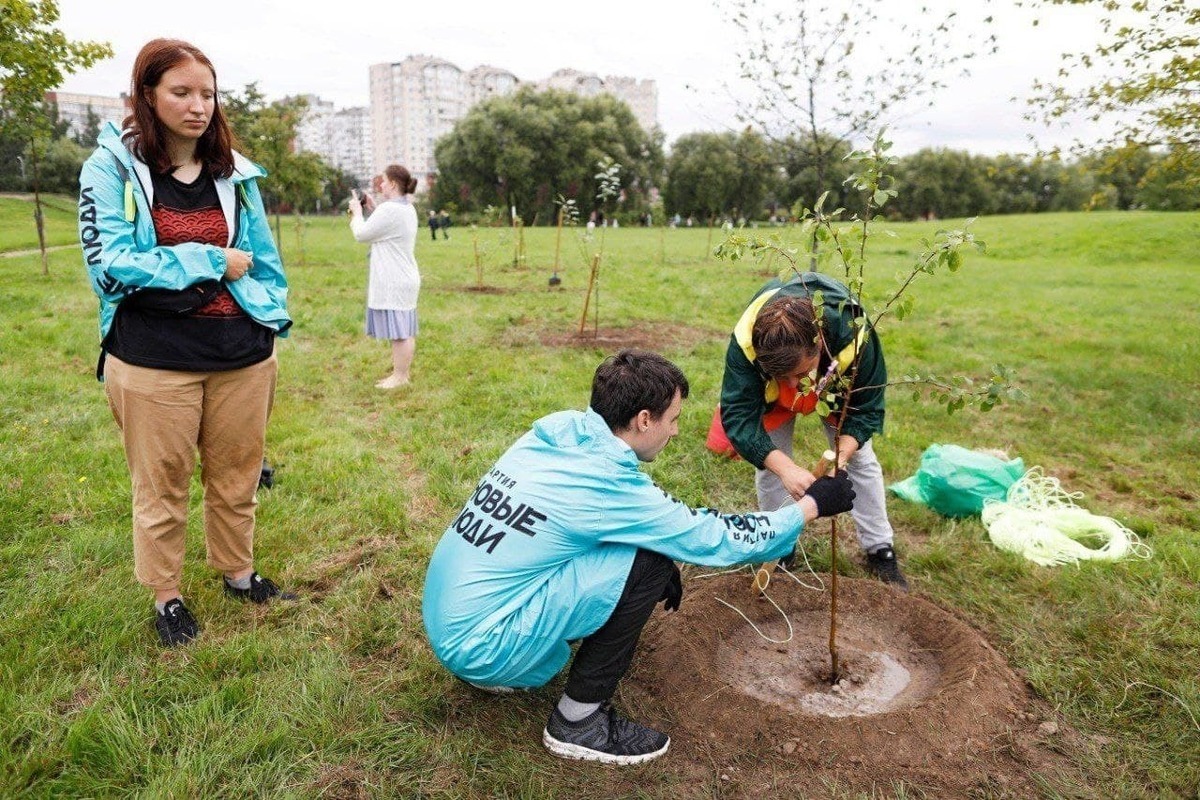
[[394, 283], [192, 295]]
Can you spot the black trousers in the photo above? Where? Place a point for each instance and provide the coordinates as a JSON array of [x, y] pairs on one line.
[[604, 657]]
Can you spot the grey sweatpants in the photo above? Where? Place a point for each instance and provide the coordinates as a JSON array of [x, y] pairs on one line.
[[869, 512]]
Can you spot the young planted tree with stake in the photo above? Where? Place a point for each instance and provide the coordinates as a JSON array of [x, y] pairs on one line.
[[608, 188], [567, 214], [841, 246]]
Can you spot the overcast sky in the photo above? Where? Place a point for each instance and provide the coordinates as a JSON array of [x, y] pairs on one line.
[[687, 46]]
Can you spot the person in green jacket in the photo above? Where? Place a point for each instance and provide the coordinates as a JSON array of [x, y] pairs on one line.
[[778, 343]]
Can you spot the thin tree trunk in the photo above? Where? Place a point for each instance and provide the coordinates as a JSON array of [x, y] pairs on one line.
[[38, 217], [814, 245], [558, 239], [516, 229], [300, 236], [478, 262], [835, 667]]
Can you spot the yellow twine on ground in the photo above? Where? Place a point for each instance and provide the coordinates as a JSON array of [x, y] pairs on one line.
[[750, 622], [761, 587], [1040, 521]]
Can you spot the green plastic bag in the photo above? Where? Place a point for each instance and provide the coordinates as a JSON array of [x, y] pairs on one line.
[[954, 481]]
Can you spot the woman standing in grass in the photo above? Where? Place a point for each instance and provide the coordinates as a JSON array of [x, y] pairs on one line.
[[395, 282], [192, 295]]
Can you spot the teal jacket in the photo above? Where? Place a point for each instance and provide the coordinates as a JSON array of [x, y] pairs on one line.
[[747, 393], [539, 554], [121, 252]]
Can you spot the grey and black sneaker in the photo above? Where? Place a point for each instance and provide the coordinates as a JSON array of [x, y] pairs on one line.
[[261, 590], [603, 736], [175, 624], [883, 565]]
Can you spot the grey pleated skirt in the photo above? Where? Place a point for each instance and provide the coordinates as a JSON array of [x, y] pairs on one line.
[[388, 323]]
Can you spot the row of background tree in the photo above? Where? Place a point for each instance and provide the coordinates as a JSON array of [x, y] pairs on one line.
[[527, 149], [809, 90]]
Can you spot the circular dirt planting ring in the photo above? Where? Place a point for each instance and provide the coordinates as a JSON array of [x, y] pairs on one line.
[[924, 702], [882, 668]]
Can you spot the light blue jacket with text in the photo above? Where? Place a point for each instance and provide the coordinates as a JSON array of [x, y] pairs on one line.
[[540, 553], [121, 252]]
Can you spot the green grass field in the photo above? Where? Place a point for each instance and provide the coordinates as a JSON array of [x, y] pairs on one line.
[[17, 231], [339, 696]]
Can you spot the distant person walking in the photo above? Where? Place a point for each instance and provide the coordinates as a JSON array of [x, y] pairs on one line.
[[444, 223], [192, 293], [394, 281], [433, 224]]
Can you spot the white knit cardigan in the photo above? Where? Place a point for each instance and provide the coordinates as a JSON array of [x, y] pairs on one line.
[[391, 231]]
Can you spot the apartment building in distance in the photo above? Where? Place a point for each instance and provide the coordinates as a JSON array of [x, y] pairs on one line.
[[350, 142], [418, 100], [73, 109], [342, 138]]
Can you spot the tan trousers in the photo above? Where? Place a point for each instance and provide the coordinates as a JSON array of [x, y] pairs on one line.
[[165, 418]]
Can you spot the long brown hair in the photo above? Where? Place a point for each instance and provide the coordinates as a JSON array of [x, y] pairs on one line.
[[145, 131]]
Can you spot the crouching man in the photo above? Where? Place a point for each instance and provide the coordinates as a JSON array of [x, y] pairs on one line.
[[567, 539]]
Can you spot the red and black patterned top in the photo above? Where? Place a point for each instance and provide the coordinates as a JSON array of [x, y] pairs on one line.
[[149, 331]]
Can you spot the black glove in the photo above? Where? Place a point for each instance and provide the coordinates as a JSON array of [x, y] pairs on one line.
[[673, 591], [832, 495]]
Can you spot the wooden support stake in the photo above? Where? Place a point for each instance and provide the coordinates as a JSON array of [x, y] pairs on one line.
[[588, 297], [835, 671], [478, 263]]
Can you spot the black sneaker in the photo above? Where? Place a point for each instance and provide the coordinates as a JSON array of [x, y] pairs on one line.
[[175, 624], [603, 736], [883, 565], [261, 590], [266, 478]]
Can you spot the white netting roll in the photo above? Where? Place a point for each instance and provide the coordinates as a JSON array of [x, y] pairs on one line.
[[1040, 521]]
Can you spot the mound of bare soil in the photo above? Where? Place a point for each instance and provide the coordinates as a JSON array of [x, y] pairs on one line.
[[924, 701]]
